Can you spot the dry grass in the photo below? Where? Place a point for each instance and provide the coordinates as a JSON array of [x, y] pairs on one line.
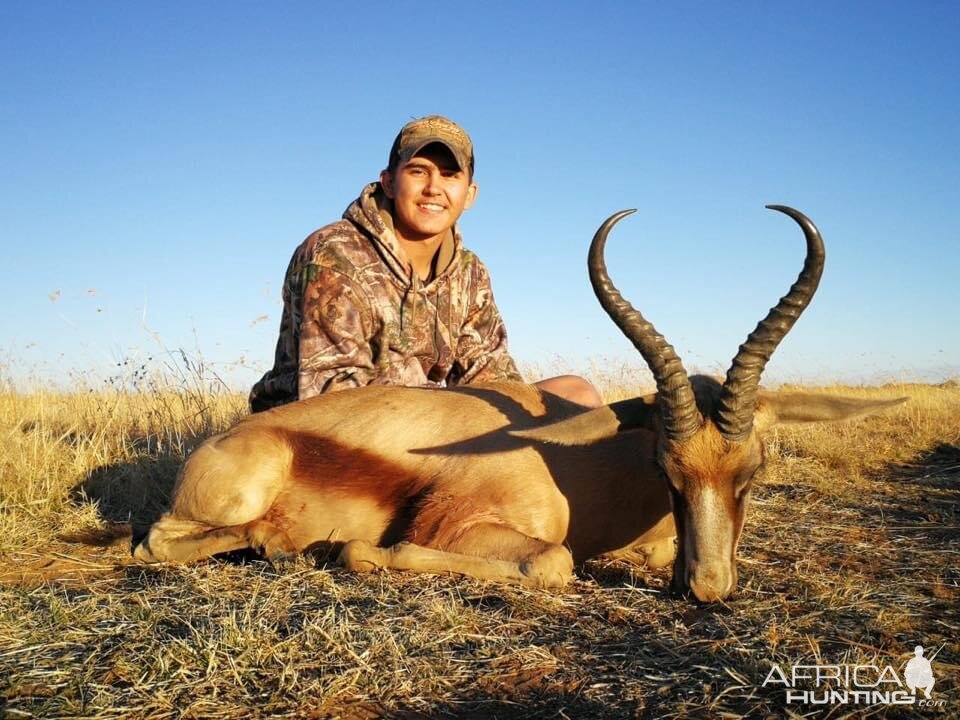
[[850, 556]]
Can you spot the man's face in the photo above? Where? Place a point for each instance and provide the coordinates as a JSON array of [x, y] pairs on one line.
[[429, 193]]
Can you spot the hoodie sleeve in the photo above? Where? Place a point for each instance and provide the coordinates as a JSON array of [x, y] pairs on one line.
[[482, 354], [337, 324]]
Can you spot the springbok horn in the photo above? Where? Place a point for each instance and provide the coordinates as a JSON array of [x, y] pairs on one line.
[[681, 418], [734, 415]]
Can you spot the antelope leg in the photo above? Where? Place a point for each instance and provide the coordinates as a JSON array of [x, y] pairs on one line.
[[551, 566]]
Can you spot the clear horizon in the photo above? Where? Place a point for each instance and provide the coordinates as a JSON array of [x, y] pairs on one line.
[[162, 162]]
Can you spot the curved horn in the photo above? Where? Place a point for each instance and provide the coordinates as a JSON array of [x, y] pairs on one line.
[[681, 418], [734, 415]]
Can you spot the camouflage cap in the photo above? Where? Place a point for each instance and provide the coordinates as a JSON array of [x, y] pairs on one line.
[[417, 134]]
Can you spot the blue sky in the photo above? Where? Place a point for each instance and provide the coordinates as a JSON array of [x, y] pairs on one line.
[[161, 161]]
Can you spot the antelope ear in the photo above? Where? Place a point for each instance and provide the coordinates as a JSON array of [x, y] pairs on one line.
[[597, 424], [776, 408]]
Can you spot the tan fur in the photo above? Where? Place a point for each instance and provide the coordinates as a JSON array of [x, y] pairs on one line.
[[449, 481], [709, 457], [774, 408], [714, 475], [432, 469]]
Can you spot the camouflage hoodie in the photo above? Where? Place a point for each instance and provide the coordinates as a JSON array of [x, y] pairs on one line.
[[355, 313]]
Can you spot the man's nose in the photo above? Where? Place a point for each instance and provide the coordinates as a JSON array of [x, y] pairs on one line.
[[433, 184]]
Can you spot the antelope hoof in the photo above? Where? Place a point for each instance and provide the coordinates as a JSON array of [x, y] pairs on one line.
[[282, 561], [142, 553], [360, 556], [659, 554], [277, 552], [550, 569]]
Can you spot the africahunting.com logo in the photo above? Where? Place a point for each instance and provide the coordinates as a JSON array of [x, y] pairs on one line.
[[858, 684]]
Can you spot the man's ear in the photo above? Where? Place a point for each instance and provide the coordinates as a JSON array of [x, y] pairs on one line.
[[472, 193], [386, 182]]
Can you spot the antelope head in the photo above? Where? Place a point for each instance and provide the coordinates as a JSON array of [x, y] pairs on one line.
[[709, 446], [709, 443]]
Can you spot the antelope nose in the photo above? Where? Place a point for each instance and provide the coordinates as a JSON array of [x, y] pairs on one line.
[[711, 584]]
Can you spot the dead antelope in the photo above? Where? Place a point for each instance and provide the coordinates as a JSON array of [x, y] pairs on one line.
[[502, 481]]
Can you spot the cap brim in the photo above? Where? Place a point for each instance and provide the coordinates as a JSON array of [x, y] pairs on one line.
[[462, 162]]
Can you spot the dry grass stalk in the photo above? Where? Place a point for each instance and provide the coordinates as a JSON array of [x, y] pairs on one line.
[[850, 556]]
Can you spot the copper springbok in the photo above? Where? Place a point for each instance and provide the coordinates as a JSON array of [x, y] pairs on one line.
[[504, 482]]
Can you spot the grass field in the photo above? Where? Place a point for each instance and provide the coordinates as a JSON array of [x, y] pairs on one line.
[[849, 558]]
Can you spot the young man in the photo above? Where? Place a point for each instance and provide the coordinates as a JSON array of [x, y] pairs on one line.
[[389, 295]]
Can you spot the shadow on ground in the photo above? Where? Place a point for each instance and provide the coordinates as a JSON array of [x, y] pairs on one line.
[[928, 493], [132, 493]]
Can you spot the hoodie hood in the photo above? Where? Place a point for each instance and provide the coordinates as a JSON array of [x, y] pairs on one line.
[[355, 314], [372, 212]]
